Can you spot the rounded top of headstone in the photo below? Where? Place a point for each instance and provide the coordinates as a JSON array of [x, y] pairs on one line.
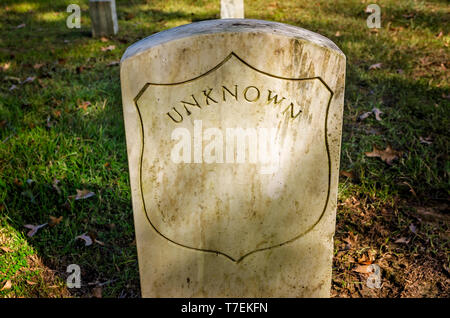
[[228, 26]]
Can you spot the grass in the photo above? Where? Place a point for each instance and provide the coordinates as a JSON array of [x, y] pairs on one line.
[[48, 134]]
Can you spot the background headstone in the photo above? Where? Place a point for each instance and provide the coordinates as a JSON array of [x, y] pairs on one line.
[[210, 223], [232, 9], [103, 17]]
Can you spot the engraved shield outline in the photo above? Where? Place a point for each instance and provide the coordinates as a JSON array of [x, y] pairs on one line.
[[142, 144]]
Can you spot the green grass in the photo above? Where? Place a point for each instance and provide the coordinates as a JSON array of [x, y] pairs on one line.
[[85, 149]]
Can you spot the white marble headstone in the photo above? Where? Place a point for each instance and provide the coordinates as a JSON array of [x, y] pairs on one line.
[[233, 132], [232, 9], [103, 17]]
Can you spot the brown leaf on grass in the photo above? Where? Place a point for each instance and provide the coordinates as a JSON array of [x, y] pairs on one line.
[[413, 228], [54, 220], [366, 259], [17, 182], [348, 174], [351, 240], [402, 240], [5, 66], [411, 189], [108, 48], [338, 34], [364, 269], [409, 15], [377, 113], [129, 16], [86, 238], [375, 66], [388, 155], [427, 140], [84, 105], [28, 80], [41, 82], [97, 292], [104, 39], [84, 194], [33, 228], [6, 249], [113, 63], [440, 35], [38, 65], [7, 285], [363, 116], [61, 61], [57, 113], [29, 282]]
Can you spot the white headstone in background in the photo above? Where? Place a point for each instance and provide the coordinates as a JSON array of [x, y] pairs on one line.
[[103, 17], [233, 132], [232, 9]]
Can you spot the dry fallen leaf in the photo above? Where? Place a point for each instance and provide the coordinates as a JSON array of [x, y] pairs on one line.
[[351, 240], [409, 15], [54, 220], [428, 140], [29, 282], [20, 26], [84, 194], [388, 155], [377, 113], [364, 116], [129, 16], [113, 63], [5, 66], [38, 65], [402, 240], [338, 34], [104, 39], [87, 239], [6, 249], [108, 48], [364, 269], [97, 292], [7, 285], [348, 174], [29, 80], [413, 228], [34, 228], [375, 66], [84, 105], [366, 259]]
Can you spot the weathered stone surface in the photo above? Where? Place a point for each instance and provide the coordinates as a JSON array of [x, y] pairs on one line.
[[212, 220], [103, 17], [232, 9]]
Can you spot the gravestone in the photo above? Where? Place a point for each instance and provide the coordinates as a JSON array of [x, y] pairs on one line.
[[103, 17], [233, 132], [232, 9]]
